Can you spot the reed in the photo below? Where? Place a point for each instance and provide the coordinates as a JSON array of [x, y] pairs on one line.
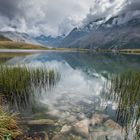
[[125, 90], [18, 83]]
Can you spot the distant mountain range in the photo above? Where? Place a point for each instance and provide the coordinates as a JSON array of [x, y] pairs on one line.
[[18, 37], [108, 34], [15, 40], [49, 40], [117, 32], [25, 38]]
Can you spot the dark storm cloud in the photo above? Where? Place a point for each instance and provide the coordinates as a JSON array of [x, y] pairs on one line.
[[10, 8], [58, 16], [42, 16]]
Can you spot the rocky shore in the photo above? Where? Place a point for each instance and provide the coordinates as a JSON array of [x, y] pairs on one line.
[[97, 127]]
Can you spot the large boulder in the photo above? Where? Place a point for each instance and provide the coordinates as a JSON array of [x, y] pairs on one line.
[[82, 128]]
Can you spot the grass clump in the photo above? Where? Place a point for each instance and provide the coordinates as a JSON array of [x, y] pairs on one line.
[[8, 125], [18, 83], [125, 90], [18, 86]]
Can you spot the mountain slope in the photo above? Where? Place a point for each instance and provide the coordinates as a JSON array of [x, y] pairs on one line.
[[2, 38], [18, 37], [19, 45], [10, 40], [109, 34], [73, 36]]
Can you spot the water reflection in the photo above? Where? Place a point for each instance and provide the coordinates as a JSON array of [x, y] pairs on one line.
[[80, 93], [101, 63], [74, 88]]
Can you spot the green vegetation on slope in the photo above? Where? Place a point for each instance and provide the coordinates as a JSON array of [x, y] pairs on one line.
[[19, 45], [6, 43], [2, 38]]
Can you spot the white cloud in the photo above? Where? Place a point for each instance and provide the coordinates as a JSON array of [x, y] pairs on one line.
[[46, 16], [104, 9], [54, 17], [108, 8]]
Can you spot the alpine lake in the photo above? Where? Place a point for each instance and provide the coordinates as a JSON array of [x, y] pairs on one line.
[[73, 95]]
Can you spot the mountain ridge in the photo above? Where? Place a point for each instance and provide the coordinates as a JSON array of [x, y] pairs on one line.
[[107, 35]]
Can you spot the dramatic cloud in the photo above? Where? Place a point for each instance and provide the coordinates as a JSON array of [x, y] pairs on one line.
[[104, 9], [55, 17], [42, 16]]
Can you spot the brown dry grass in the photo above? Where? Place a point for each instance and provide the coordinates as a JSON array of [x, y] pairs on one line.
[[19, 45], [9, 124]]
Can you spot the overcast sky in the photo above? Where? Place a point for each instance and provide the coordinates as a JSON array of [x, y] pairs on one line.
[[56, 17]]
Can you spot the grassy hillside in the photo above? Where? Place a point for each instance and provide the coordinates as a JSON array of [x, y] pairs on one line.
[[18, 45], [2, 38]]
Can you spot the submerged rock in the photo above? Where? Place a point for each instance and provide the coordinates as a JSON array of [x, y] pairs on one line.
[[98, 119], [53, 113], [34, 136], [71, 119], [109, 130], [58, 137], [41, 122], [66, 137], [106, 136], [82, 128], [65, 129], [80, 116], [113, 125], [99, 135]]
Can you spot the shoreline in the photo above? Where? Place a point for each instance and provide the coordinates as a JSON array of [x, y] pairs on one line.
[[126, 51], [40, 51]]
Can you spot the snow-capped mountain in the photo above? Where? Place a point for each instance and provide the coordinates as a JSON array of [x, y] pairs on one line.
[[120, 31]]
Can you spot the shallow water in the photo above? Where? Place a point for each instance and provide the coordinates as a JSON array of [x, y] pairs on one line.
[[80, 92]]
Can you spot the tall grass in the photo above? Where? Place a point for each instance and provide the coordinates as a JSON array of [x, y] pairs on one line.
[[8, 125], [18, 83], [125, 90]]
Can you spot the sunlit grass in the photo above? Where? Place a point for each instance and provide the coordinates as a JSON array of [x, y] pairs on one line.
[[19, 45], [18, 83], [8, 125]]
